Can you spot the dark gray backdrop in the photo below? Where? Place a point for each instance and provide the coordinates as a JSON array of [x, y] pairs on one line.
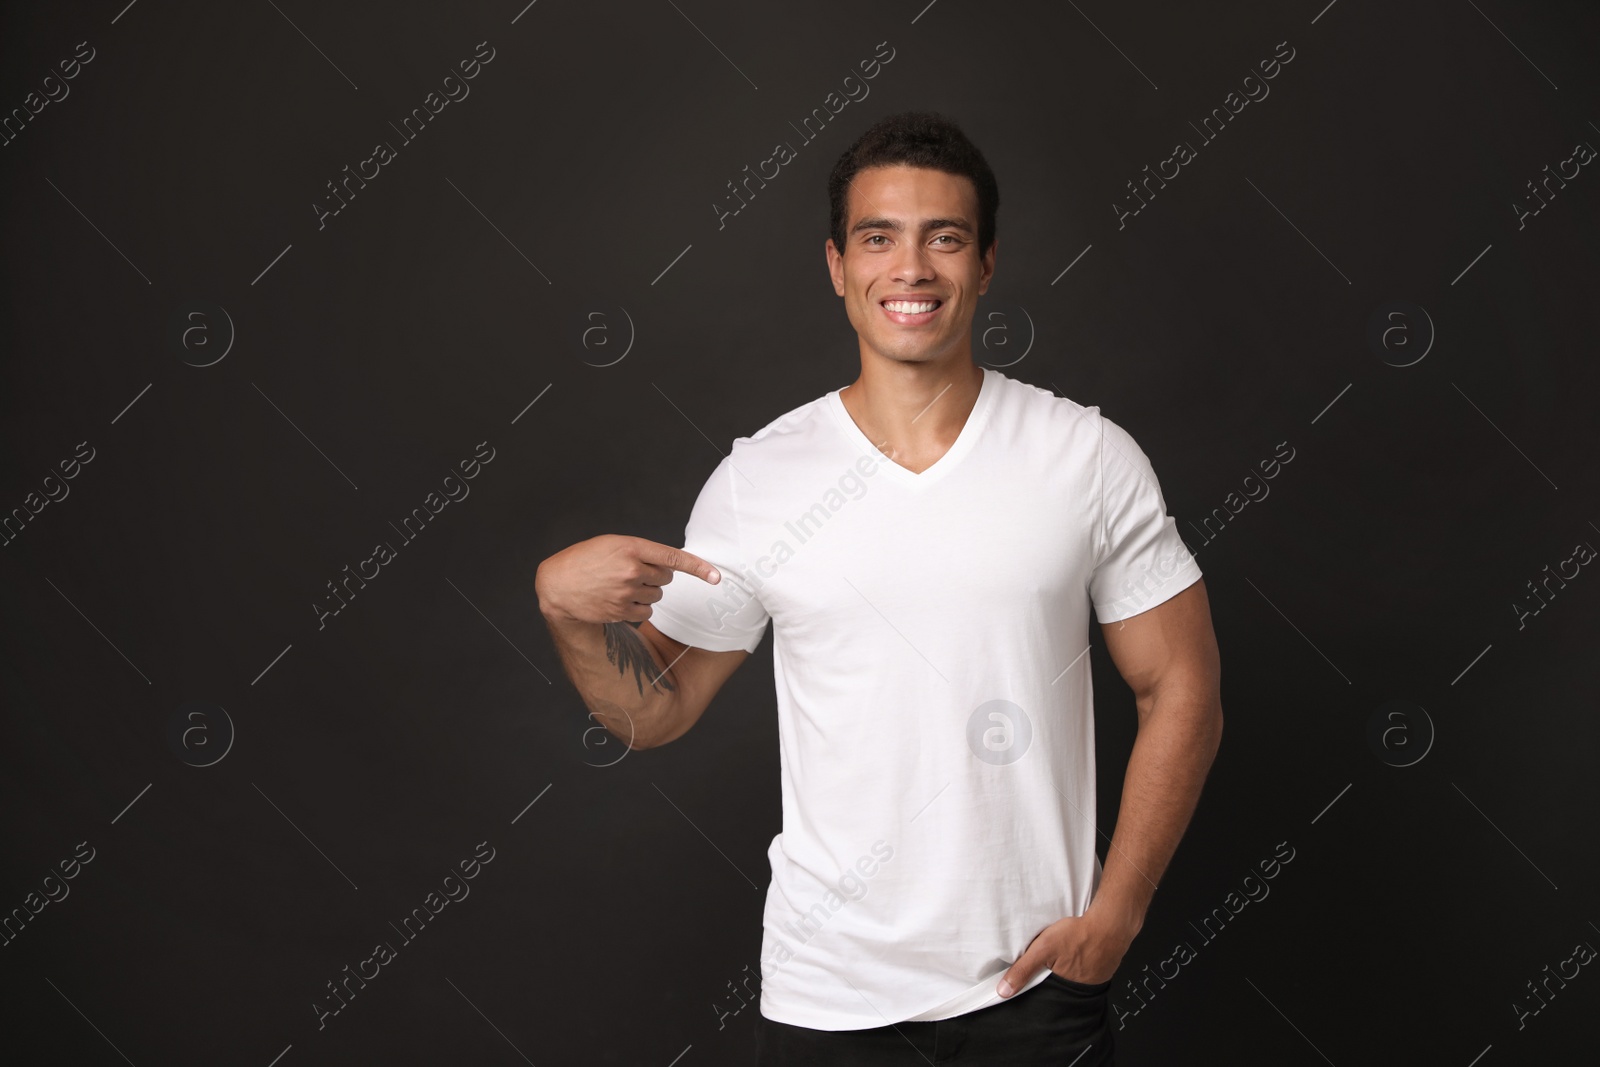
[[250, 394]]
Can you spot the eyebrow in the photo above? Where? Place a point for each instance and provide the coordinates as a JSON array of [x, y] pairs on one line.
[[882, 223]]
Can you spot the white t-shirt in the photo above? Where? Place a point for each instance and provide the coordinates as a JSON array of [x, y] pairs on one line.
[[935, 710]]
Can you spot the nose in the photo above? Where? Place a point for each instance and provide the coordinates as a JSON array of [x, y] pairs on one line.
[[912, 264]]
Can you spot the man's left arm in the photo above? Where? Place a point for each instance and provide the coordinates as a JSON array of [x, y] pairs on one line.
[[1168, 656]]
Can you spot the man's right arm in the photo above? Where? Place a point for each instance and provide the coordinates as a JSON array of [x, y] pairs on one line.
[[645, 688]]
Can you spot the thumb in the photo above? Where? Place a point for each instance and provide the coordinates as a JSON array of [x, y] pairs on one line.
[[1018, 975]]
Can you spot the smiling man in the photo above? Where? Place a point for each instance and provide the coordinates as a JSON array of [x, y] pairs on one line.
[[935, 706]]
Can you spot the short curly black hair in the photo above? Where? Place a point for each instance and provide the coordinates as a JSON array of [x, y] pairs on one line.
[[917, 139]]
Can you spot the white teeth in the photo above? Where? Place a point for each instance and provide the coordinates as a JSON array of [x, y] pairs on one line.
[[907, 307]]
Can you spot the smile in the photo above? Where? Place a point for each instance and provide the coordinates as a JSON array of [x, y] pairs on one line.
[[911, 312]]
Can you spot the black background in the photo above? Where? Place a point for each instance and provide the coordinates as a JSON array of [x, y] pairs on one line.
[[370, 355]]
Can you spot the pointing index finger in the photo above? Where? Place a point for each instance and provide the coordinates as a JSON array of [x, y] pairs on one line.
[[679, 560]]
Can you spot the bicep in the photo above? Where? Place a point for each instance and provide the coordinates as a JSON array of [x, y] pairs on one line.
[[1170, 645]]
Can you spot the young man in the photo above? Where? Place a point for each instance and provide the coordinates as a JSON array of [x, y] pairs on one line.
[[927, 543]]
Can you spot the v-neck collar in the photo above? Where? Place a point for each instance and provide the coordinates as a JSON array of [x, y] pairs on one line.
[[958, 448]]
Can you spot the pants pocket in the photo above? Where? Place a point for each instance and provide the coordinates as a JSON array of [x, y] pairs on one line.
[[1084, 988]]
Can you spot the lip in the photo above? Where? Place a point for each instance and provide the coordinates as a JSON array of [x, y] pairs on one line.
[[911, 320]]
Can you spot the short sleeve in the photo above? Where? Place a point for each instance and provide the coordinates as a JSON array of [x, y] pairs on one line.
[[1140, 561], [727, 615]]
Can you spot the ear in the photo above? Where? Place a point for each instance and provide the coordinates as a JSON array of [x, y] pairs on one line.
[[835, 266]]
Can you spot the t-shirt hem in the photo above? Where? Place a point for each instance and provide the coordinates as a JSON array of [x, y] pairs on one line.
[[978, 997], [1182, 579], [686, 634]]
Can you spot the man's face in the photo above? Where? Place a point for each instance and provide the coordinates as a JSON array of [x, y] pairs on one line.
[[911, 234]]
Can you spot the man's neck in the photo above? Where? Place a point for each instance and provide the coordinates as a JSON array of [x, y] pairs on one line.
[[913, 412]]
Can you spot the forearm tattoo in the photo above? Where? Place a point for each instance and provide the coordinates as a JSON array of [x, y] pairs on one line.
[[625, 648]]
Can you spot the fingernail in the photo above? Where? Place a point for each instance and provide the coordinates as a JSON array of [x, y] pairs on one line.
[[1005, 988], [715, 576]]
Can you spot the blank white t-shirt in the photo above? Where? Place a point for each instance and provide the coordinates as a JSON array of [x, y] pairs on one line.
[[935, 710]]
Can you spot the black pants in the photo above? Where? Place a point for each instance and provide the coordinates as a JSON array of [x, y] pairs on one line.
[[1058, 1022]]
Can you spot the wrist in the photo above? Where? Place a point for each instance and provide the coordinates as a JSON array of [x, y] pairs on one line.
[[1123, 918], [547, 605]]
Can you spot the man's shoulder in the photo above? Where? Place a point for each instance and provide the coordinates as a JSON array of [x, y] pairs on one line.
[[783, 437], [1042, 418]]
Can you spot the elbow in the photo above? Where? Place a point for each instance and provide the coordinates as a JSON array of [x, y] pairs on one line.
[[640, 742]]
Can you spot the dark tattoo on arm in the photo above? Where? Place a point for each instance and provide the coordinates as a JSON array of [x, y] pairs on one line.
[[625, 648]]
